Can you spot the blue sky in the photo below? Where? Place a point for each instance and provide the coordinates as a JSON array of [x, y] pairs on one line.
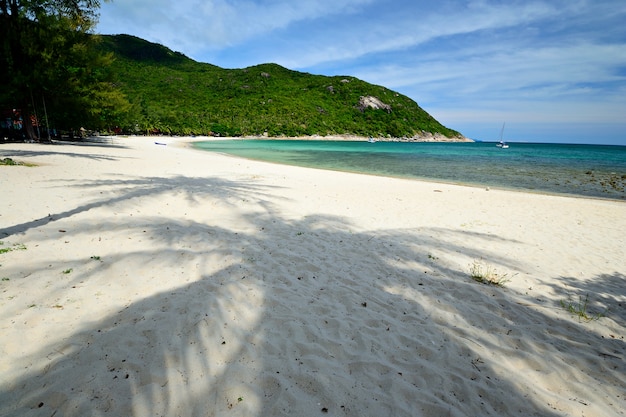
[[553, 70]]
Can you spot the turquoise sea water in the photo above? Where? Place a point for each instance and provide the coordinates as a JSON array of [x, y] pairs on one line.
[[582, 170]]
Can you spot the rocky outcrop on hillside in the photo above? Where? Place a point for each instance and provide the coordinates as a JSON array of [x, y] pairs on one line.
[[374, 103]]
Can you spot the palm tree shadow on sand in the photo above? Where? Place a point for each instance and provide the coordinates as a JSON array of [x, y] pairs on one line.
[[302, 317]]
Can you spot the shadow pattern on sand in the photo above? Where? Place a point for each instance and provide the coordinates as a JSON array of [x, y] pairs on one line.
[[249, 319], [49, 149], [127, 190]]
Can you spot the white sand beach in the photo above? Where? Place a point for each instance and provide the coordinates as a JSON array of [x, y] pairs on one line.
[[144, 279]]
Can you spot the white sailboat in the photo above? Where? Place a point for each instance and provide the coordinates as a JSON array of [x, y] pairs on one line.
[[502, 144]]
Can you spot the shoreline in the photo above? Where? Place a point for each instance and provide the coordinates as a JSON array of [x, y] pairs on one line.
[[143, 280], [426, 138], [190, 141]]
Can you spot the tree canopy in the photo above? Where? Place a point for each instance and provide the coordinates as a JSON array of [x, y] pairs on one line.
[[47, 60]]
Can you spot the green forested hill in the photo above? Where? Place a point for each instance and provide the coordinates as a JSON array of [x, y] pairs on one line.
[[171, 93]]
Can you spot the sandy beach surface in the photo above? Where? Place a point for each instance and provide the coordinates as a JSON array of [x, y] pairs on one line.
[[140, 277]]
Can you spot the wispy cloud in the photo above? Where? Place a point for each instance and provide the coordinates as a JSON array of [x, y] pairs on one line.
[[212, 25], [371, 29]]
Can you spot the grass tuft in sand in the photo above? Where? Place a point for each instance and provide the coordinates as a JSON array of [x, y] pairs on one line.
[[580, 308], [487, 274]]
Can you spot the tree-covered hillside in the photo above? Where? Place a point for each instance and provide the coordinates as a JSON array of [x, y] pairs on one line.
[[171, 93]]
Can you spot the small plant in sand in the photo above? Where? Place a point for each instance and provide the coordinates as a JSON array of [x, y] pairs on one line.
[[486, 274], [11, 162], [95, 258], [16, 246], [68, 271], [580, 308], [8, 161]]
